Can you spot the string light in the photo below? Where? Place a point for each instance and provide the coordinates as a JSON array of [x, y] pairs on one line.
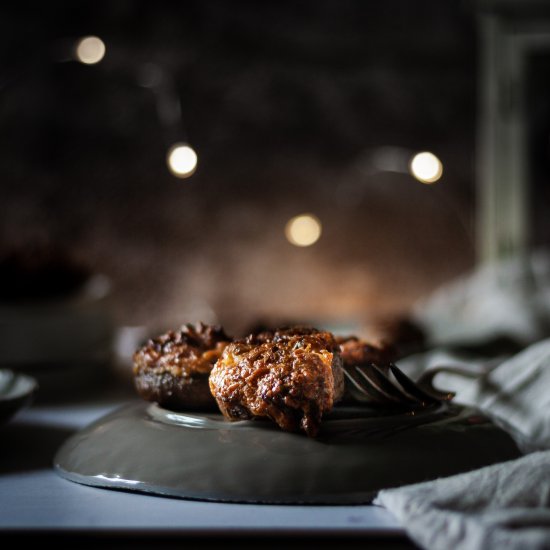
[[182, 160], [90, 50], [303, 230], [426, 167]]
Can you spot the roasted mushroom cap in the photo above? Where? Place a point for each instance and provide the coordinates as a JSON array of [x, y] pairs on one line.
[[173, 368]]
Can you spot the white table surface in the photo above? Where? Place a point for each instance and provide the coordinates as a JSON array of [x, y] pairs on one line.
[[34, 497]]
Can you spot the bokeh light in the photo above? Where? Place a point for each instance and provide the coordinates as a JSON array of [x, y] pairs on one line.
[[182, 160], [303, 230], [426, 167], [90, 50]]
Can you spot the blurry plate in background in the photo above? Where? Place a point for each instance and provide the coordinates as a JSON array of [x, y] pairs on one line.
[[63, 343], [57, 331], [16, 392]]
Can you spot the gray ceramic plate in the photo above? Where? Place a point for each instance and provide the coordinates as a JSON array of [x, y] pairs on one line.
[[16, 391], [142, 447]]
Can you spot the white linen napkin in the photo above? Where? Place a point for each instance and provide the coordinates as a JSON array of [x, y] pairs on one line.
[[506, 505]]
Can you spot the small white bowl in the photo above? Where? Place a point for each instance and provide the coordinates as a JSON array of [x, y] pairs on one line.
[[16, 392]]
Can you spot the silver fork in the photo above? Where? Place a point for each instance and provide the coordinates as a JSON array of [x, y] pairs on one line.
[[387, 385]]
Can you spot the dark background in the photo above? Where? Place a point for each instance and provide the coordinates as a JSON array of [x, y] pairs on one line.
[[288, 105]]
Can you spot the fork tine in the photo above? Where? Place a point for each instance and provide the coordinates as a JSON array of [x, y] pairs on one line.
[[410, 387], [387, 384], [362, 389], [375, 376]]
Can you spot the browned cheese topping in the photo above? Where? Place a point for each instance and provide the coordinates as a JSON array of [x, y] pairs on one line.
[[292, 376], [190, 351]]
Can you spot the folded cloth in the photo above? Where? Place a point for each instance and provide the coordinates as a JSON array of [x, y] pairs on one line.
[[514, 393], [502, 506]]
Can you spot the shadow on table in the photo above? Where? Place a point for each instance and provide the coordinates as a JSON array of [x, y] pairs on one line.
[[123, 541], [27, 447]]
